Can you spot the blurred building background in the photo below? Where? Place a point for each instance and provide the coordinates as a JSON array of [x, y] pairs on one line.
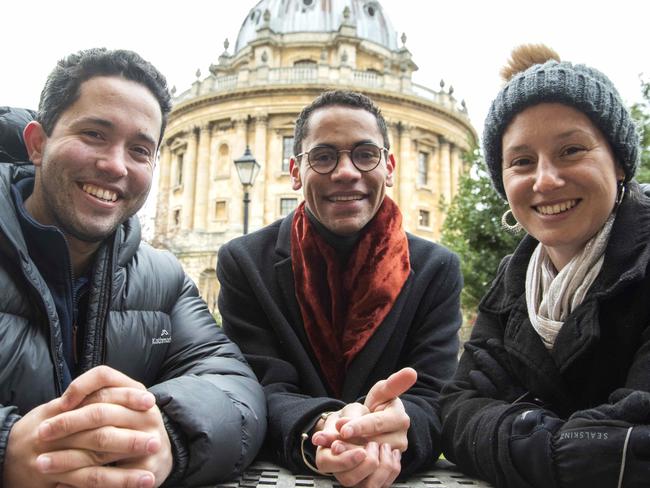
[[286, 53]]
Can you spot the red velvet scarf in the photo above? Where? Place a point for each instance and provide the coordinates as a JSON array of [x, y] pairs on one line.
[[343, 303]]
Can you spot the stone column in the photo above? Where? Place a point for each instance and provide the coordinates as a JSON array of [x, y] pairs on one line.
[[260, 188], [445, 169], [214, 154], [455, 168], [435, 172], [162, 205], [201, 204], [275, 179], [189, 180], [406, 178]]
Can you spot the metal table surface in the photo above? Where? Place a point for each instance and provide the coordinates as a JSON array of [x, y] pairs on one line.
[[268, 475]]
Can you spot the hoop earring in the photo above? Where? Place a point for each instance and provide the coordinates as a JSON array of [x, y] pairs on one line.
[[620, 193], [512, 228]]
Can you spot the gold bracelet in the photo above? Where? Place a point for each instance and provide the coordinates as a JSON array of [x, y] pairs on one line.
[[303, 437], [324, 415]]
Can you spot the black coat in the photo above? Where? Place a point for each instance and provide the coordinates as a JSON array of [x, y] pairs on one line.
[[603, 346], [261, 314], [145, 319]]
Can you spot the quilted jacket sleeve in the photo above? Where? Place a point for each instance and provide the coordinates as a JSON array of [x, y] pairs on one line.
[[214, 408], [8, 417]]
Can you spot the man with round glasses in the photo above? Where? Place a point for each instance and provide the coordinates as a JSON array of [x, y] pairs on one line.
[[365, 156], [349, 322]]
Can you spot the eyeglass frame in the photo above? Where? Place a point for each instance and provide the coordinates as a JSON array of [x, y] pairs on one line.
[[338, 156]]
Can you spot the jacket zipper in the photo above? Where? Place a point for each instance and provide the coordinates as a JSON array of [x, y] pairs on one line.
[[103, 294], [75, 352]]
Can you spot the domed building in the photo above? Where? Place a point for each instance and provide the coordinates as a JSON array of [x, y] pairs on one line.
[[287, 52]]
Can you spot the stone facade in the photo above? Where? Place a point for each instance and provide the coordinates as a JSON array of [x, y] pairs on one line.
[[252, 98]]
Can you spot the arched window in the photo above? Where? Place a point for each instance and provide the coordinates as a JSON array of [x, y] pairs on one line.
[[178, 169], [223, 159]]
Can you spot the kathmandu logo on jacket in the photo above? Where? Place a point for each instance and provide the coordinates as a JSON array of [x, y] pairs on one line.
[[165, 338]]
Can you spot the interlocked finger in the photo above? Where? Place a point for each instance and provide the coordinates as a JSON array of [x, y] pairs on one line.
[[385, 426], [71, 459], [103, 445], [92, 417], [93, 380], [363, 470], [387, 471], [343, 460], [107, 477], [133, 398]]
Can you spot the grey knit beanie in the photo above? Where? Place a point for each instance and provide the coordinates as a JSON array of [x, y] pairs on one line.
[[578, 86]]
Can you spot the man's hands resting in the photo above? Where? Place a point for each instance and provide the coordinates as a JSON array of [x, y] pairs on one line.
[[105, 430], [362, 445]]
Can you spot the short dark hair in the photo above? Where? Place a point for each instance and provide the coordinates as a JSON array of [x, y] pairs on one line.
[[62, 88], [341, 98]]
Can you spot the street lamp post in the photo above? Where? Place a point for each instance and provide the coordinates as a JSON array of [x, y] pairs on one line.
[[247, 169]]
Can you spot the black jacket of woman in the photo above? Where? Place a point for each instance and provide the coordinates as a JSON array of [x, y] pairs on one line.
[[586, 387]]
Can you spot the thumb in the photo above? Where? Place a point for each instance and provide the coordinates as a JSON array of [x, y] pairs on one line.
[[392, 387]]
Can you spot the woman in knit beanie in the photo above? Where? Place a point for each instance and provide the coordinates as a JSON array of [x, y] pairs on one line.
[[552, 388]]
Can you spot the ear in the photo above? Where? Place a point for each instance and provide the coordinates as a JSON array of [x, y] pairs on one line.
[[390, 168], [620, 174], [35, 139], [294, 170]]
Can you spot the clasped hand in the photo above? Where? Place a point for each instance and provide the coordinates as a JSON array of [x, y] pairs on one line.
[[362, 444], [105, 430]]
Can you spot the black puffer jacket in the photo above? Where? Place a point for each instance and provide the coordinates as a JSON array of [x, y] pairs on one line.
[[145, 318], [12, 122]]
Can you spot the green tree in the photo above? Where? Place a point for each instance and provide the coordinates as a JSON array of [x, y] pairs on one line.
[[473, 229], [641, 114]]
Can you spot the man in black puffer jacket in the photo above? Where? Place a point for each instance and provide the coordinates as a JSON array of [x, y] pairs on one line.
[[112, 370]]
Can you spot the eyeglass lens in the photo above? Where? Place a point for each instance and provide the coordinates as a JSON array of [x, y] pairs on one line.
[[365, 157]]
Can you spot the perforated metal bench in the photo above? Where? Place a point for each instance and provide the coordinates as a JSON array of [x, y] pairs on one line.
[[268, 475]]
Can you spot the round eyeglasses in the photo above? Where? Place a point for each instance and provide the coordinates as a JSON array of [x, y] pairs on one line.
[[324, 159]]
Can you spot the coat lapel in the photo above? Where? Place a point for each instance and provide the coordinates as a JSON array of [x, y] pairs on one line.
[[366, 361], [284, 275]]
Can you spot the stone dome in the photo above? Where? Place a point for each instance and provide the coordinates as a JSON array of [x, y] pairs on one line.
[[290, 16]]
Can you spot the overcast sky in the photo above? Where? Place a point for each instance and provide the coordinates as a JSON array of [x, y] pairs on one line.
[[461, 41], [464, 42]]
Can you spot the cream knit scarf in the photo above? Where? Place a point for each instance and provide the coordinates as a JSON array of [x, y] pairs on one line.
[[552, 296]]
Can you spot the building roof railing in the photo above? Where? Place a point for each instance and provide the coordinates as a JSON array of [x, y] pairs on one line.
[[320, 74]]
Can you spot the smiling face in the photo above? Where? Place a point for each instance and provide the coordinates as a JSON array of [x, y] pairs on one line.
[[560, 177], [95, 169], [345, 200]]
